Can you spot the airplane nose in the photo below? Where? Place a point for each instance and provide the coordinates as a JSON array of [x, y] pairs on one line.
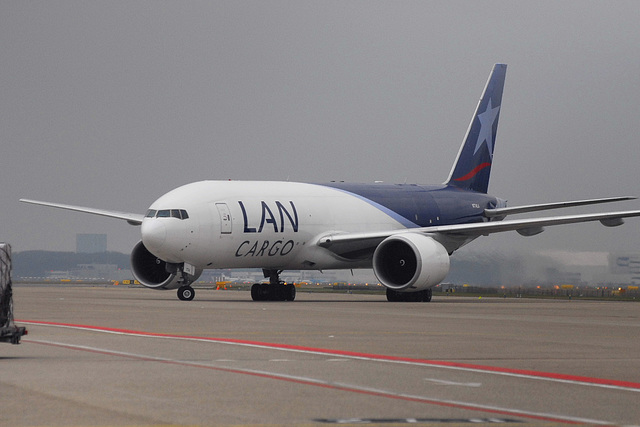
[[154, 234]]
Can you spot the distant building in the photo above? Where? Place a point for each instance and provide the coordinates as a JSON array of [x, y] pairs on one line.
[[626, 263], [555, 276], [91, 243]]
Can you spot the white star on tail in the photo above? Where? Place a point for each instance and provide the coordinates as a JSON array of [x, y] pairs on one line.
[[486, 128]]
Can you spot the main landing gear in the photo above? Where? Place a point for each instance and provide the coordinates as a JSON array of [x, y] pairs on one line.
[[275, 290], [419, 296]]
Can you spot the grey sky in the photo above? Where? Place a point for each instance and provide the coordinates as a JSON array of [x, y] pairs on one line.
[[110, 104]]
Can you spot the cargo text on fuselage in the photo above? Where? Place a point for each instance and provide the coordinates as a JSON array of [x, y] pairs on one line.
[[285, 220], [270, 220]]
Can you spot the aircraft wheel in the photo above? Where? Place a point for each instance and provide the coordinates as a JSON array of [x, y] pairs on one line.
[[260, 292], [392, 296], [290, 292], [256, 292], [412, 297], [278, 292], [186, 293], [420, 296]]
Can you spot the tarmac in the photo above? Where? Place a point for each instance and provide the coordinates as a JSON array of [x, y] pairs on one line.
[[124, 356]]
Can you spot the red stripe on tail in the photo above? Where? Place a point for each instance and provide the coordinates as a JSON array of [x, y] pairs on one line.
[[474, 172]]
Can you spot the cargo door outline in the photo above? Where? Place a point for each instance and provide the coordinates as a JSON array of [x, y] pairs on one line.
[[226, 223]]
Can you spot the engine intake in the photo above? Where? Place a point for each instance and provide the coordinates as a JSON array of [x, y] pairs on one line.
[[410, 262], [154, 273]]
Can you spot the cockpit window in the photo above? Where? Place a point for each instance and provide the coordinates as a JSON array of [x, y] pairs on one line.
[[168, 213]]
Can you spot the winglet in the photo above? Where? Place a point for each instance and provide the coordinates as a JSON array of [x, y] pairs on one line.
[[472, 167]]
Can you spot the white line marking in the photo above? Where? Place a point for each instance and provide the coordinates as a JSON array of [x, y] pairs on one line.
[[343, 386], [443, 382], [339, 355]]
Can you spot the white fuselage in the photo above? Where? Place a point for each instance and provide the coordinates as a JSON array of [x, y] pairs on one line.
[[275, 225]]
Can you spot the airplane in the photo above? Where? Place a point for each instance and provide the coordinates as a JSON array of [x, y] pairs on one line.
[[404, 232]]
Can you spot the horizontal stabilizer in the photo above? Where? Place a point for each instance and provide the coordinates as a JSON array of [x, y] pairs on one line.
[[131, 218], [502, 212]]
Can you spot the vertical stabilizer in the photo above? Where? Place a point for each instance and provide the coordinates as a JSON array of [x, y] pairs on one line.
[[472, 167]]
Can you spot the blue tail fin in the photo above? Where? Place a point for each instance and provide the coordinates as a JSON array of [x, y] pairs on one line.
[[472, 167]]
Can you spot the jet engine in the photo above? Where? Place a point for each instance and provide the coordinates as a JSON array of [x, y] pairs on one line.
[[154, 273], [410, 262]]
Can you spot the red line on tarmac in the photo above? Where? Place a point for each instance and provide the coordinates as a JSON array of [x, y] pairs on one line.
[[591, 381], [332, 386]]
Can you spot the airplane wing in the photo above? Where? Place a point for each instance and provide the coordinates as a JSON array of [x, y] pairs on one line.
[[527, 227], [501, 212], [131, 218]]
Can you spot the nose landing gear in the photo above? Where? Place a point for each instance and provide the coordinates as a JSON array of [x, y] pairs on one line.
[[186, 293]]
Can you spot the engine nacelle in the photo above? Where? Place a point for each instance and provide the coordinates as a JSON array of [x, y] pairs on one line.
[[410, 262], [154, 273]]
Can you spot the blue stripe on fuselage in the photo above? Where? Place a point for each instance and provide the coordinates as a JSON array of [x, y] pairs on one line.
[[421, 206], [362, 192]]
